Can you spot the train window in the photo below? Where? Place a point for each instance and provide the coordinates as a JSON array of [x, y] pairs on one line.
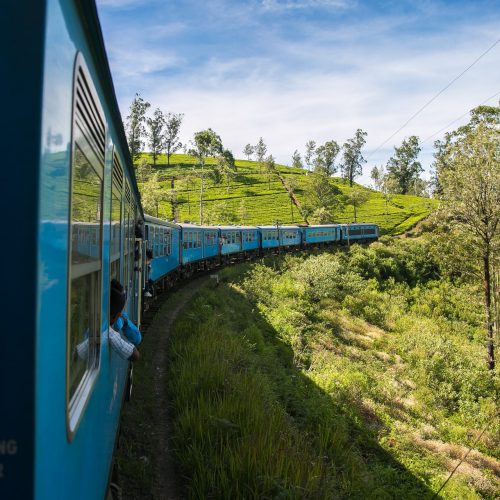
[[85, 257], [115, 219]]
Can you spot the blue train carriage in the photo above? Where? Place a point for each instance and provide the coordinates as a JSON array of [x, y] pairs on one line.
[[199, 247], [76, 204], [269, 237], [250, 240], [162, 238], [319, 235], [361, 233], [290, 236], [230, 247]]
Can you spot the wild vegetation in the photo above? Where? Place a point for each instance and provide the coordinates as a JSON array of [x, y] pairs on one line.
[[354, 373]]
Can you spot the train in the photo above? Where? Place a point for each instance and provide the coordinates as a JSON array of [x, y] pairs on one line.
[[178, 250], [74, 222]]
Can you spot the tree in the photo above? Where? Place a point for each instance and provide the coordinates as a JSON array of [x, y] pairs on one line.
[[152, 195], [225, 168], [172, 144], [356, 198], [352, 162], [403, 166], [470, 187], [155, 133], [205, 143], [308, 157], [325, 158], [290, 185], [321, 194], [297, 160], [377, 174], [135, 126], [143, 171], [270, 169], [248, 151], [260, 153]]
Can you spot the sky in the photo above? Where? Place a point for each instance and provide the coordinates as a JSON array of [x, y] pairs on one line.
[[291, 71]]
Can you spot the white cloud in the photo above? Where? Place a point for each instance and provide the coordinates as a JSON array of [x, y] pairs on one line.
[[277, 5]]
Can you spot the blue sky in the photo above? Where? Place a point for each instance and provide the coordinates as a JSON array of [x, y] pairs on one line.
[[294, 70]]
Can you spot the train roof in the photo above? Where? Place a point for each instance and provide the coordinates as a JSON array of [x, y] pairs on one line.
[[358, 224], [161, 222], [278, 227], [189, 225], [229, 227]]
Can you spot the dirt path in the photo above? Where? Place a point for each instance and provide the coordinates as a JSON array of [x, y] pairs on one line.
[[146, 451]]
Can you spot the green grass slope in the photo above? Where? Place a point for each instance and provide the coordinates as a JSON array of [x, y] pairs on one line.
[[251, 199]]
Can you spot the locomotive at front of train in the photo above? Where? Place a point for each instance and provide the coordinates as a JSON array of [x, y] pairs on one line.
[[81, 208]]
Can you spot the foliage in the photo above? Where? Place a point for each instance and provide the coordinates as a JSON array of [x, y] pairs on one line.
[[296, 160], [173, 122], [469, 178], [135, 126], [152, 195], [323, 198], [287, 368], [403, 165], [325, 158], [356, 198], [248, 151], [352, 158], [260, 150], [155, 134], [309, 155]]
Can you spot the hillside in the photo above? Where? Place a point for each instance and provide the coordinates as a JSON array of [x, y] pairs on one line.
[[252, 198]]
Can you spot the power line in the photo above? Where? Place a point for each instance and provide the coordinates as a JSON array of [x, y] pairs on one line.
[[462, 459], [457, 119], [435, 97]]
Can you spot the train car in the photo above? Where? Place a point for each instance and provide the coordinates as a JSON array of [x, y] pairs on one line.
[[71, 182], [359, 232], [200, 245], [269, 237], [250, 240], [290, 236], [321, 234], [230, 237], [163, 240]]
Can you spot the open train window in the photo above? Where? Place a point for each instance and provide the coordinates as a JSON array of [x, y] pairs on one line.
[[85, 245]]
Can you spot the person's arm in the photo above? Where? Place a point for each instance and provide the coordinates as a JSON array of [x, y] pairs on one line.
[[135, 356]]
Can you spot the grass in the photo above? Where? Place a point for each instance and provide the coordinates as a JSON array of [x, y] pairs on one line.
[[284, 391], [250, 199]]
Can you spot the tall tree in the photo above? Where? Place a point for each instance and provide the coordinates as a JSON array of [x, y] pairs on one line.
[[377, 175], [325, 158], [352, 160], [135, 126], [260, 153], [470, 187], [290, 184], [356, 198], [172, 143], [248, 151], [322, 198], [297, 160], [270, 165], [403, 165], [205, 143], [309, 156], [153, 195], [155, 133], [143, 171]]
